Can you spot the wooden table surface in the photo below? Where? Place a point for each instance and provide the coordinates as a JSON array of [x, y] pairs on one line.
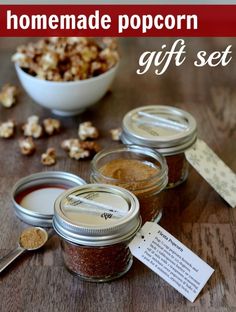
[[193, 212]]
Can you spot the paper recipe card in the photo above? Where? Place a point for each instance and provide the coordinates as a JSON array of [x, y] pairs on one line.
[[171, 260]]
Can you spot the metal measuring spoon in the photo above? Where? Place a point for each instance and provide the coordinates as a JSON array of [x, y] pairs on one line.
[[9, 258]]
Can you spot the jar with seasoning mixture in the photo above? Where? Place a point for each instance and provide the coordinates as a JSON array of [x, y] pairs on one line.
[[168, 130], [96, 223], [140, 170]]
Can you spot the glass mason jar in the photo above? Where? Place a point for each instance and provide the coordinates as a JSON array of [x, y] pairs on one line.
[[96, 223], [140, 170], [168, 130]]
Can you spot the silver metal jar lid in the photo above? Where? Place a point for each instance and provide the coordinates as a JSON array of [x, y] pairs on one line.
[[168, 129], [91, 224], [41, 214]]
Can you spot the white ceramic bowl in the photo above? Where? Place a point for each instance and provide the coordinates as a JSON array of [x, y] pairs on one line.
[[70, 97]]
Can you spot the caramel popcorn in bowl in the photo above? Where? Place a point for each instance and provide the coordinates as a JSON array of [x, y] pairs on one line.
[[67, 59]]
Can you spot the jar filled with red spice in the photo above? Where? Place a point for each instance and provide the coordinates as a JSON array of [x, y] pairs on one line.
[[96, 223], [168, 130], [140, 170]]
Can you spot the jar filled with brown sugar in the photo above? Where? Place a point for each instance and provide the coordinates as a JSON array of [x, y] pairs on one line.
[[96, 223], [140, 170], [168, 130]]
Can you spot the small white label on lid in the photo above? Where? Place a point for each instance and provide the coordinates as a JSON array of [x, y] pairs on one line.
[[150, 124], [171, 260], [150, 129], [99, 208], [213, 170]]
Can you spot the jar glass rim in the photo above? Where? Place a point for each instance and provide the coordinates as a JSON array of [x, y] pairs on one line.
[[161, 175]]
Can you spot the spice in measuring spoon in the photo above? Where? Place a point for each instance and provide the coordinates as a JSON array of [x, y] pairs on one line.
[[31, 238]]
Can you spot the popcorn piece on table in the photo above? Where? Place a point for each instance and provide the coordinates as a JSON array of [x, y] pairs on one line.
[[51, 126], [74, 149], [79, 150], [7, 129], [27, 146], [87, 131], [8, 95], [76, 152], [69, 143], [116, 134], [49, 158], [93, 147], [32, 128]]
